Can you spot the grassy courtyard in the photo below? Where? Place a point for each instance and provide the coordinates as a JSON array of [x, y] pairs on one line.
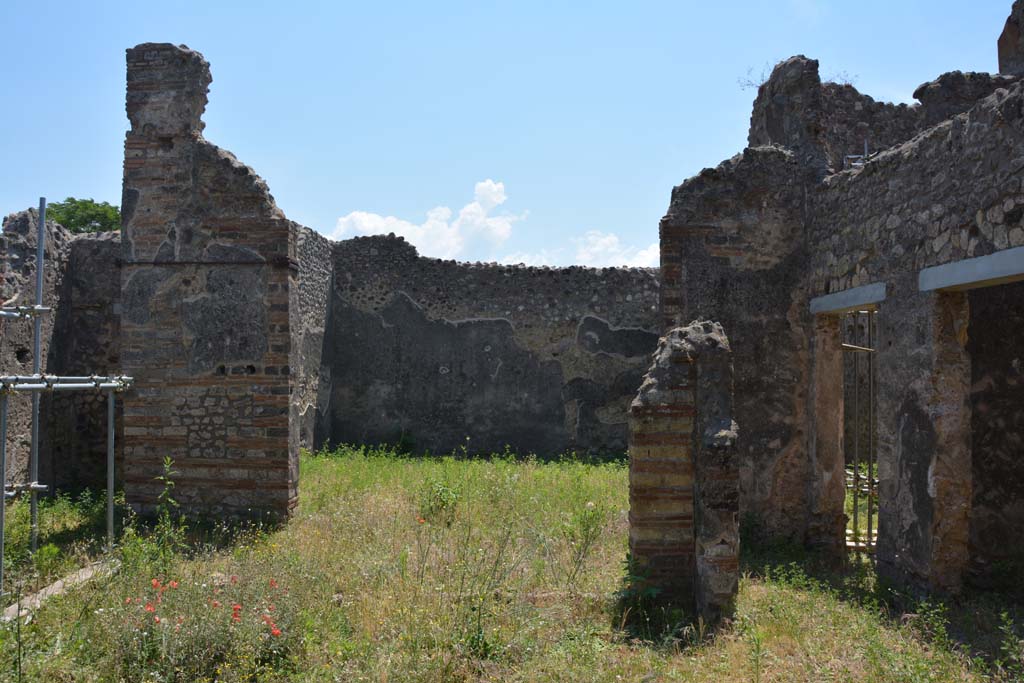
[[400, 569]]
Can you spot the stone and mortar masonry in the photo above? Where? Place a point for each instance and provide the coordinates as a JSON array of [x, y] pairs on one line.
[[684, 475], [732, 249], [79, 337], [952, 192], [250, 336], [437, 355], [750, 242], [209, 280]]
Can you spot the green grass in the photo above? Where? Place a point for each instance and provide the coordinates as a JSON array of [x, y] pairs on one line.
[[858, 524], [401, 569], [72, 533]]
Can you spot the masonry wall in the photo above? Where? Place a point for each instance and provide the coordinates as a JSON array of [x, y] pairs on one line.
[[79, 337], [311, 396], [18, 268], [823, 122], [732, 249], [208, 280], [437, 355], [952, 192], [87, 329]]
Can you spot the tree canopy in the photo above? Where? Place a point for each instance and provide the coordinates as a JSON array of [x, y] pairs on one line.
[[85, 215]]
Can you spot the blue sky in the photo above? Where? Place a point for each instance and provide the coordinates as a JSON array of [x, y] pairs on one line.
[[518, 131]]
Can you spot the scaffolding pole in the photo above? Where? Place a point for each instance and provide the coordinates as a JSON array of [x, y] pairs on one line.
[[37, 347], [36, 383], [110, 470], [3, 480]]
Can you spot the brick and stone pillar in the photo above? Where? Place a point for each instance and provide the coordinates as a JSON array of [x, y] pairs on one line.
[[924, 438], [826, 528], [684, 474], [207, 282]]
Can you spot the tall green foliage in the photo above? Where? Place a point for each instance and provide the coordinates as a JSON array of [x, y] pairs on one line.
[[85, 215]]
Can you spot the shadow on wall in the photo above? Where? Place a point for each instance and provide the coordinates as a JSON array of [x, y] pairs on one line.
[[436, 385]]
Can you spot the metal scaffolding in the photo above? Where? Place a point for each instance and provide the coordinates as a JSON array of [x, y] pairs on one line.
[[36, 384]]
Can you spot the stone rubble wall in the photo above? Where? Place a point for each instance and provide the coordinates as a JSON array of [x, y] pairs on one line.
[[1011, 41], [750, 242], [79, 337], [953, 192], [437, 355], [684, 474], [824, 122], [18, 282], [311, 396], [87, 330]]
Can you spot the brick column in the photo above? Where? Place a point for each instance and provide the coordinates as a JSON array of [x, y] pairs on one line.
[[207, 284], [682, 445]]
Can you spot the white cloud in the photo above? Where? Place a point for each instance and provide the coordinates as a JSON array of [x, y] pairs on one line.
[[594, 248], [598, 248], [475, 228], [476, 231], [544, 257]]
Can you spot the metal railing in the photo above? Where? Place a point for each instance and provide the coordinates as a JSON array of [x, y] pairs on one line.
[[859, 330]]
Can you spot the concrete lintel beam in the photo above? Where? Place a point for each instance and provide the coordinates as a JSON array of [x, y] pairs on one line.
[[984, 271], [863, 297]]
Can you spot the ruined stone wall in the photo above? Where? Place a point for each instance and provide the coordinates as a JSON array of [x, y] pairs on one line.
[[79, 337], [996, 347], [86, 341], [750, 242], [17, 279], [311, 395], [683, 474], [732, 249], [1011, 42], [952, 192], [823, 122], [426, 353], [208, 285]]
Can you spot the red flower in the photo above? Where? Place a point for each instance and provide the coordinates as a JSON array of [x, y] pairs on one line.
[[156, 619], [235, 618], [173, 584], [275, 632], [149, 607], [273, 583], [420, 520], [156, 583], [127, 601], [236, 607], [215, 604]]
